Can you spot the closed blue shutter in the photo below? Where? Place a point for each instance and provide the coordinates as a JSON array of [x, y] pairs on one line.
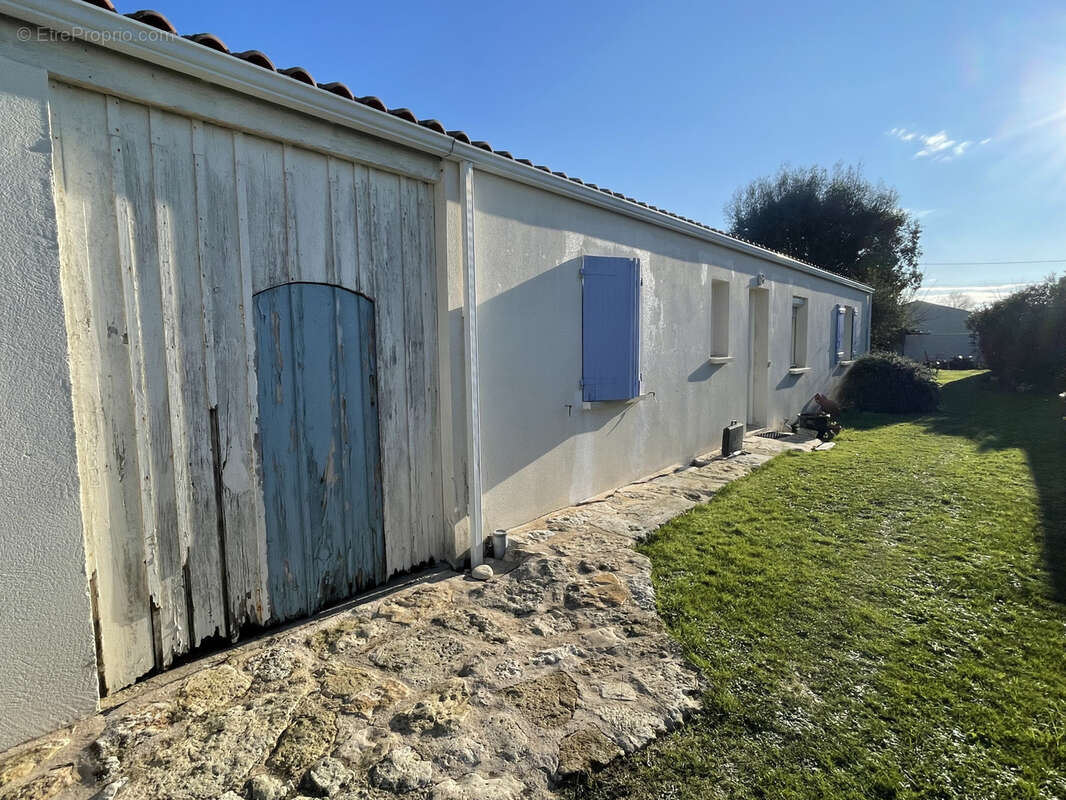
[[838, 344], [610, 328]]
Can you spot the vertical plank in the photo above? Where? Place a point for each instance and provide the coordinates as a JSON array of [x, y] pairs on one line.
[[430, 364], [285, 524], [258, 601], [343, 225], [264, 177], [139, 257], [177, 216], [319, 381], [102, 387], [414, 342], [366, 538], [222, 252], [365, 272], [373, 544], [307, 215], [387, 264]]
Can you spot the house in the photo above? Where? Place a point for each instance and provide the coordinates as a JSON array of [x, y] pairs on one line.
[[938, 333], [266, 344]]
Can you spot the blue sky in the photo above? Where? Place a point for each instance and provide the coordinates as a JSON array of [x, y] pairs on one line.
[[960, 106]]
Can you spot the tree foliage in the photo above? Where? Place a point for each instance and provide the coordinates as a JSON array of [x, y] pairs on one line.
[[838, 220], [1023, 337]]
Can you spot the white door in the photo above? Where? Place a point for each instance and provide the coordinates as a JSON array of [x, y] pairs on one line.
[[759, 357]]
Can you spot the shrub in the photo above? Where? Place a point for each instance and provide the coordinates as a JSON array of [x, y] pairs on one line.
[[1022, 336], [890, 383]]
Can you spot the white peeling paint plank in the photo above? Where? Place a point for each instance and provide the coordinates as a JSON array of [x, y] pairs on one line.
[[365, 264], [414, 341], [387, 265], [433, 489], [103, 390], [264, 177], [135, 206], [343, 226], [257, 602], [307, 205], [221, 262], [175, 182]]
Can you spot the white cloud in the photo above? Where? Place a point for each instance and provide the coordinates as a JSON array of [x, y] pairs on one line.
[[937, 146], [919, 213], [978, 295]]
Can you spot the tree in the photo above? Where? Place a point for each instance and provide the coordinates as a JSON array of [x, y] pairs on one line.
[[1021, 335], [839, 221]]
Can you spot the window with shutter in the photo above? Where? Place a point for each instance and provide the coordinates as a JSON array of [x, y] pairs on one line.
[[838, 338], [610, 328], [849, 333], [844, 337]]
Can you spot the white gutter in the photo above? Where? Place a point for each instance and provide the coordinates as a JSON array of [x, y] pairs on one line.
[[124, 35], [473, 391]]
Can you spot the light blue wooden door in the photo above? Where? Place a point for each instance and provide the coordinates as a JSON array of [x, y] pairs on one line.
[[318, 428]]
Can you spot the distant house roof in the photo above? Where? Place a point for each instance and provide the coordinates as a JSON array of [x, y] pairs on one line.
[[935, 318]]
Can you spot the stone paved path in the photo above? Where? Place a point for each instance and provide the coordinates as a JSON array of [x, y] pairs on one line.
[[450, 689]]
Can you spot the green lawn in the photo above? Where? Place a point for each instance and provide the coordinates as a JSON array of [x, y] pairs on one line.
[[883, 620]]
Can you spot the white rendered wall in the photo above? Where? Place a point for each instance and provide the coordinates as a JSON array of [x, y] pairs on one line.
[[540, 449], [48, 663]]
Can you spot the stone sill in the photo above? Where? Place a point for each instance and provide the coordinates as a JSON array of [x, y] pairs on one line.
[[798, 370], [719, 359]]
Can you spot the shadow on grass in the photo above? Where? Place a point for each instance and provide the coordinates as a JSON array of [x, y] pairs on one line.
[[996, 419]]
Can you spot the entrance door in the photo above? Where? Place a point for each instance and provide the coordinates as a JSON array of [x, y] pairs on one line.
[[318, 427], [759, 357]]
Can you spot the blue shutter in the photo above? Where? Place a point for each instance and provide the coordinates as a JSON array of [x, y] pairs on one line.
[[610, 328], [838, 345]]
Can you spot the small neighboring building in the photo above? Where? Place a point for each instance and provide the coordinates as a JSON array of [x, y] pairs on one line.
[[265, 344], [938, 333]]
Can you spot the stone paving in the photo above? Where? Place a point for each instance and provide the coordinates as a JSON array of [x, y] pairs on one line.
[[450, 689]]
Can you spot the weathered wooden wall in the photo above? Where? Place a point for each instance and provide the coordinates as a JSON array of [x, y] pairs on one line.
[[168, 227]]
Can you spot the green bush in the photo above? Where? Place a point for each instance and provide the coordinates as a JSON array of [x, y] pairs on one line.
[[1023, 337], [889, 383]]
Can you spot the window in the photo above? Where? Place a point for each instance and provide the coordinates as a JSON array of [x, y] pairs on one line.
[[845, 333], [610, 328], [719, 319], [799, 332]]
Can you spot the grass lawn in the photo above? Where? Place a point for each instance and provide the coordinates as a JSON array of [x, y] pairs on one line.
[[883, 620]]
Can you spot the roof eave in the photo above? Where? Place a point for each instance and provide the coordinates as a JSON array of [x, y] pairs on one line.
[[146, 43]]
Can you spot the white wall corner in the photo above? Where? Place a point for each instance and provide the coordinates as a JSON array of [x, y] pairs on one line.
[[47, 652]]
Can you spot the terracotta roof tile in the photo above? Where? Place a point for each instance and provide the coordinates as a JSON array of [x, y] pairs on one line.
[[260, 59], [404, 113], [300, 74], [153, 18], [257, 57], [208, 40], [373, 102], [338, 88]]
